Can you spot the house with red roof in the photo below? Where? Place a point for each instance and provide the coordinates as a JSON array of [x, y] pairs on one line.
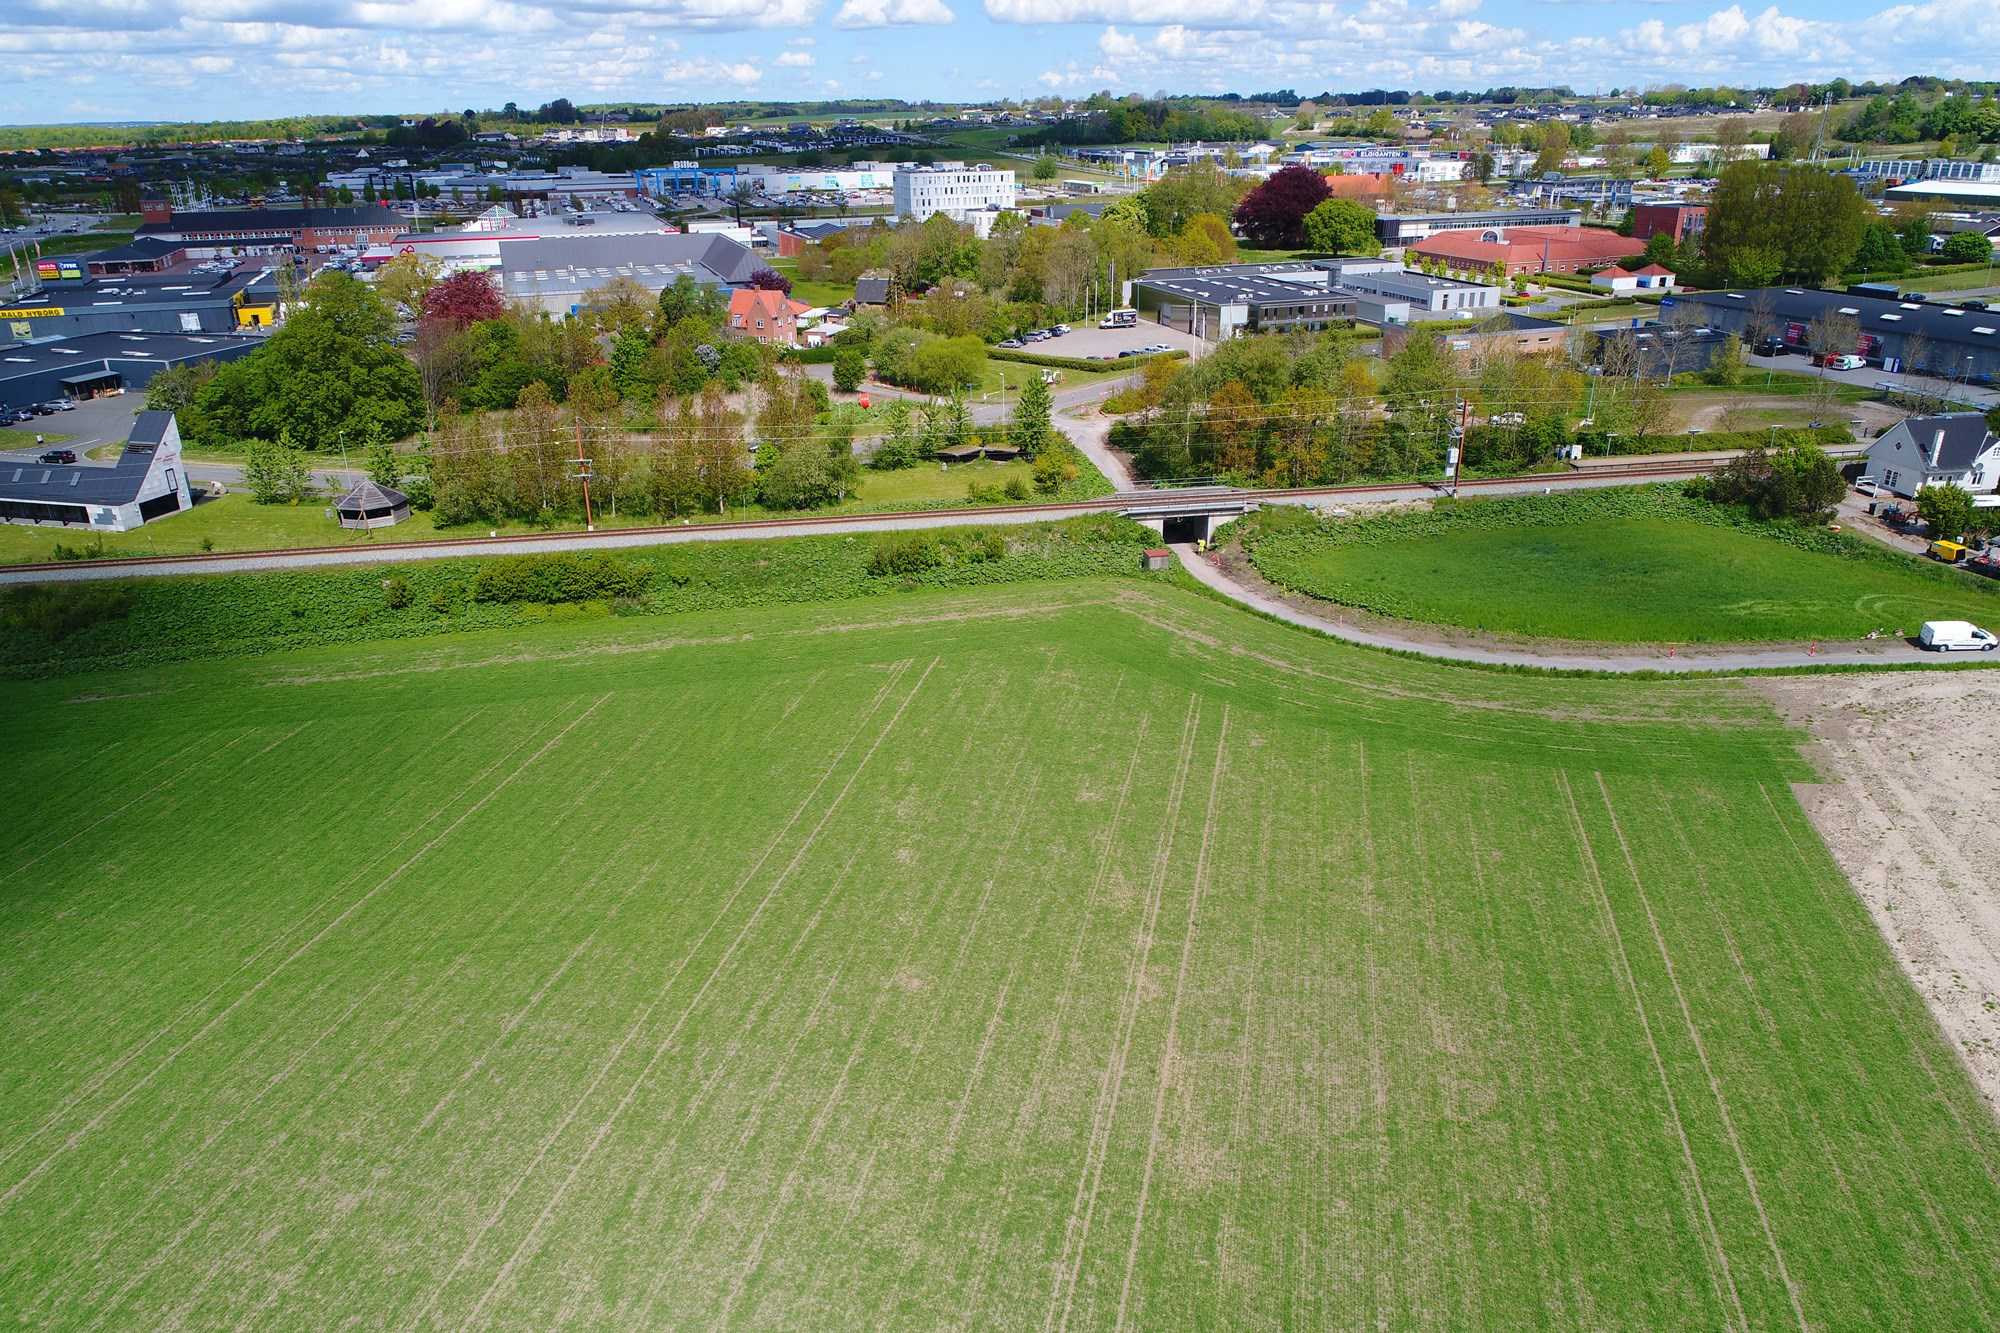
[[768, 316], [1529, 250], [1620, 281]]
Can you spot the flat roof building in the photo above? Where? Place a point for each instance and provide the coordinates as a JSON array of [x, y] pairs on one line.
[[1406, 228], [1529, 249], [266, 228], [1225, 300], [1953, 342], [97, 363], [144, 303]]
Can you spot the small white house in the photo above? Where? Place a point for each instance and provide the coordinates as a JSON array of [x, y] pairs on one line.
[[1628, 281], [1954, 449], [147, 482]]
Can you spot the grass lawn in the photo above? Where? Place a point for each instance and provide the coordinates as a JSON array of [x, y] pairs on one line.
[[1631, 580], [1076, 954], [813, 293], [1952, 280], [1759, 382]]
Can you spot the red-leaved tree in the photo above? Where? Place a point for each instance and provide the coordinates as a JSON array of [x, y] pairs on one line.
[[771, 281], [1275, 212], [462, 299]]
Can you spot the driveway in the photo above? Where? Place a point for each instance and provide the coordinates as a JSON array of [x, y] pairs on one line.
[[98, 421]]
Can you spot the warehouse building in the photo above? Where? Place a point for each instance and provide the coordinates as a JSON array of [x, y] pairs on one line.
[[190, 303], [147, 482], [1952, 342], [141, 254], [1409, 228], [556, 272], [1225, 300], [261, 230], [101, 363]]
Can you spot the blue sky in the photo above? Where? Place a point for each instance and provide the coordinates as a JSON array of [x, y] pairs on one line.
[[198, 59]]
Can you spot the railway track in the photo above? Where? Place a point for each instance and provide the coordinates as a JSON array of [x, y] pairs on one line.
[[747, 528]]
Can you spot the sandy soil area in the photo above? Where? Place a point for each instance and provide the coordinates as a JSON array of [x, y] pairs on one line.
[[1911, 810]]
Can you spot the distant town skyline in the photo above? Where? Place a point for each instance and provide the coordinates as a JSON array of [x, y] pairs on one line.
[[95, 60]]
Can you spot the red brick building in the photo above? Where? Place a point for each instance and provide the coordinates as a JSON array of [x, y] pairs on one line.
[[305, 228], [767, 316], [1530, 249], [1679, 221]]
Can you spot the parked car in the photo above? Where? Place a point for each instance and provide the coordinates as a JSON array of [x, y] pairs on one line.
[[1972, 305], [61, 405], [1059, 330], [1946, 636], [1771, 347], [59, 456], [1009, 343], [1845, 361]]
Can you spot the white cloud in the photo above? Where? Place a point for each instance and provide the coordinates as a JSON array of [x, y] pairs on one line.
[[892, 14], [1118, 45], [794, 60], [1201, 13]]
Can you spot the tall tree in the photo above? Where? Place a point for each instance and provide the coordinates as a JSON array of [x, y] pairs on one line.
[[1812, 219], [464, 298], [1032, 427], [1274, 212], [1342, 227]]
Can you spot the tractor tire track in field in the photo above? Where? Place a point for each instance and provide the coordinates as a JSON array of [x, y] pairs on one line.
[[1169, 1049], [91, 1085], [582, 797], [96, 1081], [1111, 1088], [1701, 1052], [1622, 967], [1025, 1118], [533, 1237], [116, 811], [78, 1136]]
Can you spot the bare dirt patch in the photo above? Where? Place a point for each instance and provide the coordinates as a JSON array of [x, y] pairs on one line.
[[1909, 811]]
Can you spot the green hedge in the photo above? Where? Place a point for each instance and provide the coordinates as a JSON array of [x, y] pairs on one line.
[[69, 627], [562, 576], [1074, 362]]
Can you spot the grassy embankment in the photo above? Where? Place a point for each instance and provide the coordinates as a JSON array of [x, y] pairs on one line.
[[1643, 565]]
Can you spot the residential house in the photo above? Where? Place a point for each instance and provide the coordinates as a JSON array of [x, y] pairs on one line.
[[1953, 449], [1621, 281], [767, 316]]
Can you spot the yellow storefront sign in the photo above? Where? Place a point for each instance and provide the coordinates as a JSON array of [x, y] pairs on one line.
[[32, 312]]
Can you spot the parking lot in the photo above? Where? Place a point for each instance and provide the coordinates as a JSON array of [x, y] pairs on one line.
[[1087, 340], [97, 421]]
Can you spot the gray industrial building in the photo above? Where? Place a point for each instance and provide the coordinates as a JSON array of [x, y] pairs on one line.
[[1958, 342], [147, 482], [1225, 300], [1409, 228], [556, 272], [100, 363], [149, 303]]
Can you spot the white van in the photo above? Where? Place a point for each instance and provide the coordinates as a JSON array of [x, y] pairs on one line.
[[1945, 636]]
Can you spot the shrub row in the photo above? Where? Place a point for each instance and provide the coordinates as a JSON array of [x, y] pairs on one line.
[[563, 576], [1594, 445], [68, 627], [1074, 362]]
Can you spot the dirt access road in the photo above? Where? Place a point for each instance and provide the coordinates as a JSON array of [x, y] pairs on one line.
[[1908, 808]]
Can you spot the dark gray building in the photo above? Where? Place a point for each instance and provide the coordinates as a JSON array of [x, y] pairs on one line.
[[1954, 342], [556, 272], [144, 303], [147, 482], [1230, 299], [104, 362]]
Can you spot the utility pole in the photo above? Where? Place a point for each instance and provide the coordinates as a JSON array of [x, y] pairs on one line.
[[1458, 455], [583, 475]]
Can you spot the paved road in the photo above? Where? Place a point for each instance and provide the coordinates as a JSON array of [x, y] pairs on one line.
[[1882, 652]]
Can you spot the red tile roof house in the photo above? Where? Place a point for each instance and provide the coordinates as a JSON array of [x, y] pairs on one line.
[[1530, 250], [767, 316]]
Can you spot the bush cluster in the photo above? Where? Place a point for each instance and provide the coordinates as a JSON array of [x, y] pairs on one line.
[[566, 576]]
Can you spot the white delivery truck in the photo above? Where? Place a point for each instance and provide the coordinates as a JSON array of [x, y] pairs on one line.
[[1945, 636]]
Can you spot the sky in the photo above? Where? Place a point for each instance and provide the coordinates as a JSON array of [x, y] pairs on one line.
[[87, 60]]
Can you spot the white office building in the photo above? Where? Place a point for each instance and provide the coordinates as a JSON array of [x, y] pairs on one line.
[[974, 194]]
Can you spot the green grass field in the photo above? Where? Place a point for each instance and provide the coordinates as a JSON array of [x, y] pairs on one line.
[[1073, 955], [1625, 579]]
